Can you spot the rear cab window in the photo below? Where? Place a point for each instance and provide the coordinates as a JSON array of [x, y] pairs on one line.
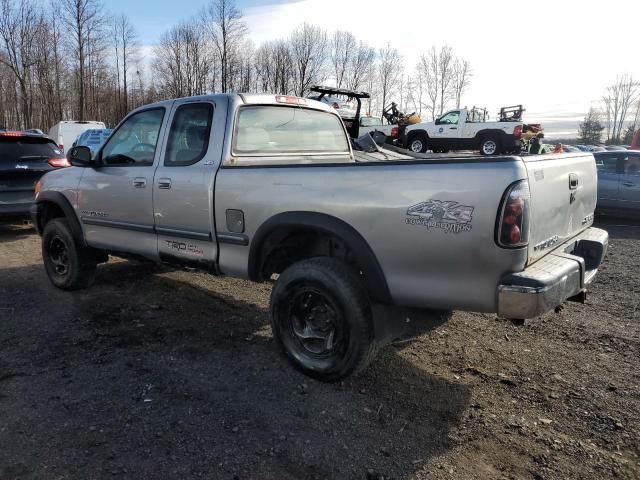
[[270, 130]]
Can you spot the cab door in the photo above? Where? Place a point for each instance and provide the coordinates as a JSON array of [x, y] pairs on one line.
[[608, 167], [183, 187], [115, 198], [447, 130], [630, 180]]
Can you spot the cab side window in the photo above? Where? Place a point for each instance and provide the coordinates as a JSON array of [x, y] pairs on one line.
[[450, 118], [189, 134], [134, 143], [631, 165], [607, 163]]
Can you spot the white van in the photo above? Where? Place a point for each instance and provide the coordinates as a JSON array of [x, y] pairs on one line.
[[65, 133]]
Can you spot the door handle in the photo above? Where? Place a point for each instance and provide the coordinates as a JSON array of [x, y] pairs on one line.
[[164, 183], [628, 184], [139, 182], [453, 128]]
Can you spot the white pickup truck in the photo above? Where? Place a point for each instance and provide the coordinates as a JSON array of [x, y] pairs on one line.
[[467, 129]]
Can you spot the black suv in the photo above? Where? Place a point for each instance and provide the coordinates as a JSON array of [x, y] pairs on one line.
[[24, 158]]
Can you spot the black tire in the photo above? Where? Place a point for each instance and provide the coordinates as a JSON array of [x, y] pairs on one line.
[[418, 143], [69, 266], [321, 318], [490, 145]]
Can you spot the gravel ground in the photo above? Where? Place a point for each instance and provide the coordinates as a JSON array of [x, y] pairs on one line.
[[156, 373]]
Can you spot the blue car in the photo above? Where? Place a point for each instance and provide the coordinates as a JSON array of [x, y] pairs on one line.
[[93, 138], [618, 181]]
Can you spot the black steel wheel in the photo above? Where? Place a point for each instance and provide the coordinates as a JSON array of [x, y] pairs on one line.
[[69, 266], [321, 317]]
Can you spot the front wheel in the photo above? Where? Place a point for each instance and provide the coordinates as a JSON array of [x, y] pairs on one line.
[[321, 318], [489, 146], [69, 266]]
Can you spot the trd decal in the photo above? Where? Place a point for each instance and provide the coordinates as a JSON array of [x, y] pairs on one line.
[[188, 248], [448, 215]]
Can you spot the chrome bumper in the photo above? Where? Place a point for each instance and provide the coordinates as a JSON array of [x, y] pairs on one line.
[[562, 274]]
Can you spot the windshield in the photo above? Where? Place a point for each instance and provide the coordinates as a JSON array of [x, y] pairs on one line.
[[369, 121], [277, 129]]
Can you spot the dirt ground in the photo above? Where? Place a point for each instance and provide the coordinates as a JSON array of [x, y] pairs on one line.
[[157, 373]]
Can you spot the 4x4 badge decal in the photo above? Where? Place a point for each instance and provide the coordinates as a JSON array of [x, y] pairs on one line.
[[450, 216]]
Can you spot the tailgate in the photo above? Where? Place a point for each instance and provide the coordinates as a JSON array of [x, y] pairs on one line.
[[563, 198]]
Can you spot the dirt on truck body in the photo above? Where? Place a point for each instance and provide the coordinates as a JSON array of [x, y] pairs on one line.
[[158, 373]]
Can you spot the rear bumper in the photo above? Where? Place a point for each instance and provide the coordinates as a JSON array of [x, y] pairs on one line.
[[15, 209], [16, 202], [562, 274]]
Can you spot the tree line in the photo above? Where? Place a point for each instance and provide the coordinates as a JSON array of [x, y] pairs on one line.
[[619, 116], [72, 59]]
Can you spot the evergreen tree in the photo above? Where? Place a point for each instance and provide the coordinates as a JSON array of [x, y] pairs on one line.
[[591, 128]]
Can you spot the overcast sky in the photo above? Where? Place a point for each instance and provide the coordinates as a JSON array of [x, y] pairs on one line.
[[555, 57]]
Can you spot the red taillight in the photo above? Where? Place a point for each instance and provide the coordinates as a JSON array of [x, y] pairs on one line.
[[514, 234], [510, 219], [11, 134], [59, 162], [61, 146], [513, 220], [394, 132], [517, 131]]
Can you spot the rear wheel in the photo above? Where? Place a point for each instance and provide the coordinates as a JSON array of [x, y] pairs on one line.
[[321, 318], [489, 146], [418, 143], [69, 266]]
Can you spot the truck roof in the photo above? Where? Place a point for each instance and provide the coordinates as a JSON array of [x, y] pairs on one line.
[[252, 99]]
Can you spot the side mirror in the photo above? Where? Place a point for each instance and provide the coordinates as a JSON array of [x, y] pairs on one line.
[[437, 122], [80, 157]]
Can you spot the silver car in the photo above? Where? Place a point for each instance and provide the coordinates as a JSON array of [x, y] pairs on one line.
[[618, 181]]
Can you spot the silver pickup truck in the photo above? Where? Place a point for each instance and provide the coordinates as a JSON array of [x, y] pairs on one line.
[[270, 187]]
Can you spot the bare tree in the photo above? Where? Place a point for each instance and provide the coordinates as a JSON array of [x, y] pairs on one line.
[[59, 67], [84, 21], [618, 100], [343, 47], [389, 71], [125, 44], [445, 77], [274, 67], [461, 79], [227, 30], [359, 66], [430, 73], [18, 31], [183, 61], [415, 87], [309, 57], [445, 70]]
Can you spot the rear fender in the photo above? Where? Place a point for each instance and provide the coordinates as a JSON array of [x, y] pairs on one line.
[[375, 280]]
